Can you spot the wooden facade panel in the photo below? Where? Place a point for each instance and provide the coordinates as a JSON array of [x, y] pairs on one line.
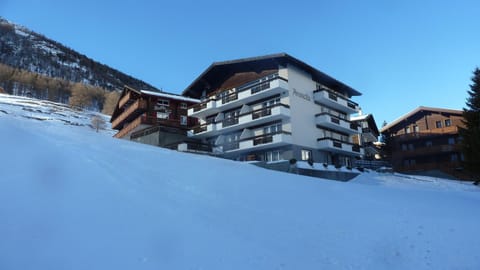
[[238, 79]]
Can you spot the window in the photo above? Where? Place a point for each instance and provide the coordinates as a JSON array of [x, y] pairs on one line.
[[428, 143], [448, 122], [438, 124], [411, 147], [407, 130], [416, 129], [454, 157], [272, 129], [183, 120], [183, 105], [451, 140], [272, 156], [163, 102], [306, 154], [404, 147], [271, 102]]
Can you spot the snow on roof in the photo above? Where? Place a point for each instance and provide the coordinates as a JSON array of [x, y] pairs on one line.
[[359, 117], [419, 109], [172, 96]]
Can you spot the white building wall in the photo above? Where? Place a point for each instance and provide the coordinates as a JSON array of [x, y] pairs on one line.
[[302, 108]]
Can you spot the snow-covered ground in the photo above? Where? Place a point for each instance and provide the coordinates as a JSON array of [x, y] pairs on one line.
[[71, 198]]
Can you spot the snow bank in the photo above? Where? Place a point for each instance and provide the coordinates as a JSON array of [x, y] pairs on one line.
[[71, 198]]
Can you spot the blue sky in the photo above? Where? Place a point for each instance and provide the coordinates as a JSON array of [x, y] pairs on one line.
[[399, 54]]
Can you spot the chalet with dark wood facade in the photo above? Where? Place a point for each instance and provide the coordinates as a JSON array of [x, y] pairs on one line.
[[155, 118], [426, 141]]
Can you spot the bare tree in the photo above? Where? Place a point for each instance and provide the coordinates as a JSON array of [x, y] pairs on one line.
[[98, 122]]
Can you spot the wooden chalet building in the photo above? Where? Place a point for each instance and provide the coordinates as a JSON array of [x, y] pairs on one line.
[[368, 135], [426, 141], [156, 118]]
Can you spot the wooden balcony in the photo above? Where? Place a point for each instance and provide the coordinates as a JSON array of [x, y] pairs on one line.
[[426, 133], [133, 111], [428, 151], [128, 128], [124, 100]]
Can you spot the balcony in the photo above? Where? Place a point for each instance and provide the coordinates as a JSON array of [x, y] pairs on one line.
[[132, 112], [244, 94], [330, 121], [337, 146], [334, 100], [368, 135], [258, 143], [248, 119], [433, 150], [144, 121]]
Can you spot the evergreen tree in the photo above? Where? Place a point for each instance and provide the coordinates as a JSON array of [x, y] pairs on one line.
[[471, 132]]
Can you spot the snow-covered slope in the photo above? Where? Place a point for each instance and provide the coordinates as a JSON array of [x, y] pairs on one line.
[[71, 198]]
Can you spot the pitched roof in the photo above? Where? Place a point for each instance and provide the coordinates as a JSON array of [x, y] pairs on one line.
[[417, 110], [170, 95], [369, 118], [219, 69]]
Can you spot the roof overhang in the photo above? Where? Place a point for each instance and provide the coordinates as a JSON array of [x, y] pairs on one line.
[[221, 70], [416, 111]]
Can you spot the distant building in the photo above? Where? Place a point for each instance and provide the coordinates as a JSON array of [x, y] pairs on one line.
[[368, 135], [155, 118], [274, 107], [426, 141]]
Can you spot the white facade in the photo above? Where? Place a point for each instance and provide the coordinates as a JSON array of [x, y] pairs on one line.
[[279, 116]]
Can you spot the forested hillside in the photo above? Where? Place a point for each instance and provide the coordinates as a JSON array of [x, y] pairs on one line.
[[34, 65], [25, 83]]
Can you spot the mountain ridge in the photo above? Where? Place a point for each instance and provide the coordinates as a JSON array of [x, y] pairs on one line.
[[25, 49]]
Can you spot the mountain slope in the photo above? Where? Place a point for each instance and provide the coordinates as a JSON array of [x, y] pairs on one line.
[[71, 198], [25, 49]]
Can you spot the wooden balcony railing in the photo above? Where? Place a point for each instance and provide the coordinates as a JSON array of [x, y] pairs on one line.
[[428, 150], [132, 111], [124, 100], [128, 128], [427, 133]]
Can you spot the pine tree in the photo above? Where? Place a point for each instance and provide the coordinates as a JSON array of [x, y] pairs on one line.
[[471, 133]]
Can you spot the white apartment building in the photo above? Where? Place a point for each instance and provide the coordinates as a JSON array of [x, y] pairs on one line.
[[274, 107]]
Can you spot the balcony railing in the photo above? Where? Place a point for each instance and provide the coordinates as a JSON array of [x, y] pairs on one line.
[[231, 146], [240, 92], [199, 106], [326, 119], [335, 100], [263, 139], [130, 113], [245, 119], [200, 128], [342, 146], [229, 121], [254, 140], [261, 113]]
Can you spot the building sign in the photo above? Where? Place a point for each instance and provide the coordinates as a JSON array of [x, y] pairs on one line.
[[301, 95]]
